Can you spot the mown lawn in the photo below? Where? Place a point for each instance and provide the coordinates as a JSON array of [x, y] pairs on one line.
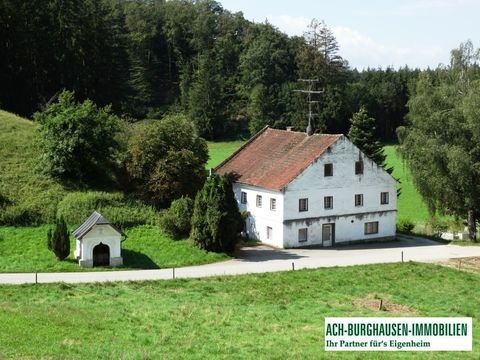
[[269, 316], [24, 249]]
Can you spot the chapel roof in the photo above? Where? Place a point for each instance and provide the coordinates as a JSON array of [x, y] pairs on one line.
[[95, 219]]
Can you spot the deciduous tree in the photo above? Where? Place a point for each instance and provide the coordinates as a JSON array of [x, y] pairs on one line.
[[441, 145]]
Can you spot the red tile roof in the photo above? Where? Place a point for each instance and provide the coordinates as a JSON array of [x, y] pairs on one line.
[[273, 158]]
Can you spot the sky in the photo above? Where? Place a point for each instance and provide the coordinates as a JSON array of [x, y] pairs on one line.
[[377, 33]]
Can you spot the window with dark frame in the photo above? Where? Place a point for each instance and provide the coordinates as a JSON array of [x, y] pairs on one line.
[[302, 235], [359, 167], [328, 170], [328, 202], [303, 205], [243, 197], [358, 199], [273, 204], [259, 201], [384, 198], [371, 227]]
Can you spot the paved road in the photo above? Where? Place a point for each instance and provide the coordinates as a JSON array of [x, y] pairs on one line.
[[262, 259]]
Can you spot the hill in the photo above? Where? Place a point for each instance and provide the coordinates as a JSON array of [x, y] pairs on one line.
[[29, 197]]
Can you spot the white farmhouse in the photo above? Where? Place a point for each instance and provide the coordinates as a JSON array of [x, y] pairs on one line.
[[303, 190], [98, 242]]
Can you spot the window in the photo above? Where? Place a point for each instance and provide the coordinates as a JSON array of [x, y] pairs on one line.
[[273, 204], [259, 200], [302, 235], [384, 198], [358, 199], [269, 232], [328, 202], [243, 197], [371, 227], [328, 170], [359, 167], [303, 205]]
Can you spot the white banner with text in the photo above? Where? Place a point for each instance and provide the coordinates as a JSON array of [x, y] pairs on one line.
[[398, 334]]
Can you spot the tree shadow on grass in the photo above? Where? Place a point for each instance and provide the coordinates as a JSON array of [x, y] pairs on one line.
[[136, 260]]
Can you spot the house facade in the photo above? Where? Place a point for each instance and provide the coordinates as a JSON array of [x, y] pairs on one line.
[[317, 190]]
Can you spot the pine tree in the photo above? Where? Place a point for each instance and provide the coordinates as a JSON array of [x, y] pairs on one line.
[[216, 220], [362, 132], [58, 240]]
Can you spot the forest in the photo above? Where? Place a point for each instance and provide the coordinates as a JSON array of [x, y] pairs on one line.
[[151, 58]]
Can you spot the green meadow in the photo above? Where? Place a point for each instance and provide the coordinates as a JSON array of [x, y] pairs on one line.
[[268, 316]]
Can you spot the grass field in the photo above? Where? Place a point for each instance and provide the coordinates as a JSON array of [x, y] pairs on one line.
[[219, 151], [24, 250], [31, 195], [410, 203], [269, 316]]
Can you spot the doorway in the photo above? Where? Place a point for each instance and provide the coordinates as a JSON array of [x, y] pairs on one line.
[[101, 255], [328, 235]]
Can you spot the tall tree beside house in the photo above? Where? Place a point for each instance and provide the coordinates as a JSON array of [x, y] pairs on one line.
[[441, 145], [362, 132], [58, 240], [216, 221]]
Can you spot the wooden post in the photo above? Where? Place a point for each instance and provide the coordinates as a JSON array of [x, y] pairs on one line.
[[402, 256], [293, 266], [36, 278], [381, 305], [459, 264], [173, 271]]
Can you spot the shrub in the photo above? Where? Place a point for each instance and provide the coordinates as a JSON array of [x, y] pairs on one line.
[[18, 215], [58, 240], [177, 220], [216, 220], [405, 226], [120, 210]]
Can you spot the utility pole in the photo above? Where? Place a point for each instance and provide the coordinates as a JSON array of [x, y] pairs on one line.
[[310, 90]]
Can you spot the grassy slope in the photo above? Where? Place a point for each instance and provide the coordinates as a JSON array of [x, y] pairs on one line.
[[18, 180], [270, 316], [410, 203], [24, 250]]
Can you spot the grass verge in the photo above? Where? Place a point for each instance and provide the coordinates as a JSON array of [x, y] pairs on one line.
[[24, 249]]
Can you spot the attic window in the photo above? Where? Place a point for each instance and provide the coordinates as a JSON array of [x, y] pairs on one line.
[[359, 167], [303, 205], [384, 198], [328, 170]]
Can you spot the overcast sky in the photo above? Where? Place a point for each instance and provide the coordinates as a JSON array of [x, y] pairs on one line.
[[373, 33]]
